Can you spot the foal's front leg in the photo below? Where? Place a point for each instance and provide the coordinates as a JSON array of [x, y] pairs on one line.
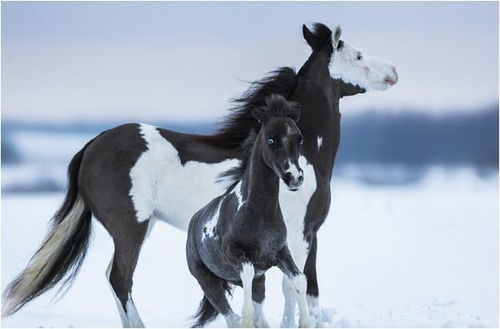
[[236, 255], [299, 284], [247, 275]]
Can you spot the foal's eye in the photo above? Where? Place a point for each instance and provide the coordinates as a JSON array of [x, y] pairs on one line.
[[270, 141], [301, 140], [359, 57]]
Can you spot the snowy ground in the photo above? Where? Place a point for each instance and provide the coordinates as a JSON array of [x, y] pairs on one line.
[[422, 255]]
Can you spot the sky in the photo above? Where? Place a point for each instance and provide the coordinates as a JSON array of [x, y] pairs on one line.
[[171, 61]]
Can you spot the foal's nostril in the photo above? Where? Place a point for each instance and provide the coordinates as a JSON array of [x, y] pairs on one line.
[[301, 178], [288, 177]]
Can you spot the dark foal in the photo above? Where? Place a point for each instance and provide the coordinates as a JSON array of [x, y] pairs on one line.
[[239, 235]]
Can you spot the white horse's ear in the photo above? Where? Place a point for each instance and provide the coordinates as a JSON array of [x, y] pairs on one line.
[[336, 36]]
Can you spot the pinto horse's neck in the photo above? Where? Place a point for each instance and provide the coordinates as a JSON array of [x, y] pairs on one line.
[[316, 67], [262, 183]]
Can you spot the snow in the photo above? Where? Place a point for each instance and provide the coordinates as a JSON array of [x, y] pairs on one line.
[[420, 255]]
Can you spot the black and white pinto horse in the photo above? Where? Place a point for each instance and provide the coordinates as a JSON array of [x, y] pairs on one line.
[[240, 234], [133, 175]]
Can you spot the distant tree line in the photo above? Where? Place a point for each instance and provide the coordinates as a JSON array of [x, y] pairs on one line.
[[405, 138], [416, 139]]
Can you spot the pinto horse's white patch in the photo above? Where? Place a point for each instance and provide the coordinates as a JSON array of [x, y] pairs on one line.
[[294, 206], [209, 229], [165, 188], [320, 142], [352, 66]]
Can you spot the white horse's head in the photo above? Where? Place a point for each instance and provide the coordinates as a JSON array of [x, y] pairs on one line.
[[352, 66]]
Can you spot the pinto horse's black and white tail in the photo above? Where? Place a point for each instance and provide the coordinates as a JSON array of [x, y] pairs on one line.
[[62, 252]]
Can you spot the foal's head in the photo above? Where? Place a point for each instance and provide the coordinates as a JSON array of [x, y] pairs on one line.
[[280, 139]]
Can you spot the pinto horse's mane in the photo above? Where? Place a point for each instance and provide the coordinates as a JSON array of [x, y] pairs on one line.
[[236, 127]]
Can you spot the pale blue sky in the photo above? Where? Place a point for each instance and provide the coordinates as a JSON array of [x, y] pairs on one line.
[[183, 61]]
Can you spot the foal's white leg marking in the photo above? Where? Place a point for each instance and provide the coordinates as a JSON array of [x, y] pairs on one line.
[[159, 181], [299, 283], [259, 320], [232, 320], [320, 141], [288, 320], [130, 317], [314, 310], [294, 206], [247, 275]]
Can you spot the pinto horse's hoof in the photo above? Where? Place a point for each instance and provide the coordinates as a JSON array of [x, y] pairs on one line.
[[305, 322], [316, 317]]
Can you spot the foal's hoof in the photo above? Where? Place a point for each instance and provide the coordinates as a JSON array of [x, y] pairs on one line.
[[288, 323], [262, 323], [247, 322]]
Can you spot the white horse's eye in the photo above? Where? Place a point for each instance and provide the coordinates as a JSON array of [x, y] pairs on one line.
[[359, 57]]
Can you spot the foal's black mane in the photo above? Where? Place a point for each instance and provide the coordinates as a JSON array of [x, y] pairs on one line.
[[276, 106], [236, 127], [235, 174]]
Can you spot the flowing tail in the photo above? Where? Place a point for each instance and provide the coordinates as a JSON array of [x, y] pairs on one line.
[[62, 252], [206, 312]]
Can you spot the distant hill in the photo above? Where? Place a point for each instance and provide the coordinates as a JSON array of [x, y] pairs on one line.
[[418, 140], [405, 138]]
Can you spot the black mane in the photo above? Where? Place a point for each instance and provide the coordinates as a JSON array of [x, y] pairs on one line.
[[236, 127], [275, 106], [235, 174]]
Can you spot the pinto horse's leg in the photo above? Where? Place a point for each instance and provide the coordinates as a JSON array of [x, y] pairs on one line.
[[288, 320], [289, 293], [298, 283], [312, 284], [258, 295], [120, 273]]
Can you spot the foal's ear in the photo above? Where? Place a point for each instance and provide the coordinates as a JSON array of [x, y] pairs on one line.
[[260, 114], [337, 33], [294, 111]]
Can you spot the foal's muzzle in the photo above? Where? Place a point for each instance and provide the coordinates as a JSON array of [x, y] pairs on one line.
[[293, 182]]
